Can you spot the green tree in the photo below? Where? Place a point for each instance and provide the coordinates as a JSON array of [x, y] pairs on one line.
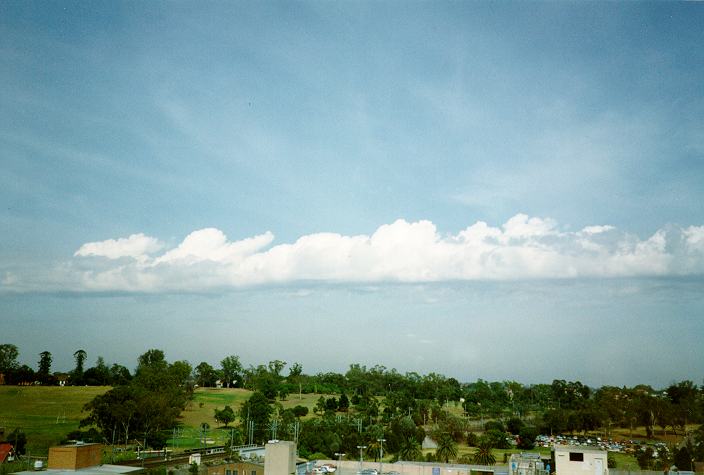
[[119, 375], [77, 374], [410, 450], [8, 358], [225, 416], [483, 455], [231, 370], [343, 403], [447, 447], [44, 370], [295, 373], [98, 375], [257, 410], [151, 402], [205, 374]]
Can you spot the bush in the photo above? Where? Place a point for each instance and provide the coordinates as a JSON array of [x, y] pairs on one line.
[[472, 439], [515, 425], [494, 425], [611, 460], [495, 438], [527, 437]]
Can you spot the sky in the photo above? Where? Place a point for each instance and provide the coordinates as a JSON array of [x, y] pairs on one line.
[[496, 190]]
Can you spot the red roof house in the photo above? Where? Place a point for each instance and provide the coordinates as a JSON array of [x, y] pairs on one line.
[[7, 452]]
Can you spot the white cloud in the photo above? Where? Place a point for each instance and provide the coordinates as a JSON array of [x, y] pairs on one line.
[[137, 246], [522, 248]]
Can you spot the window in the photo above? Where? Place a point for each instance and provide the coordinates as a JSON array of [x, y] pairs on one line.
[[254, 472], [576, 457], [234, 472], [228, 472]]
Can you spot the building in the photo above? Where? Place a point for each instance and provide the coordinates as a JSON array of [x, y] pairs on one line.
[[280, 457], [7, 452], [570, 460], [75, 456], [233, 468], [527, 463], [82, 458]]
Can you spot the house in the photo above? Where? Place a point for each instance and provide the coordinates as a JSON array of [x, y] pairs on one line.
[[571, 460], [7, 452]]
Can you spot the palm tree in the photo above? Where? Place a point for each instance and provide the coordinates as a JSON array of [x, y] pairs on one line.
[[447, 447], [483, 455], [410, 450], [80, 357]]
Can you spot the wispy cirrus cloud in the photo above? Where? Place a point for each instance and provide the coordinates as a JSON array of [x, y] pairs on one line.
[[522, 248]]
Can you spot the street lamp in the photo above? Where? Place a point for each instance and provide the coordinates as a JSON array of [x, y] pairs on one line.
[[381, 454], [339, 456], [361, 455]]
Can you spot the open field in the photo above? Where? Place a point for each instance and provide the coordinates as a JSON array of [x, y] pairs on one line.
[[45, 413], [206, 400]]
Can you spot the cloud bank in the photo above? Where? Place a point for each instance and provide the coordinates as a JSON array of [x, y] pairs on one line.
[[414, 252]]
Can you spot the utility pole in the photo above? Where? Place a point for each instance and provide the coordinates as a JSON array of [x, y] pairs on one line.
[[339, 456], [361, 455], [381, 454]]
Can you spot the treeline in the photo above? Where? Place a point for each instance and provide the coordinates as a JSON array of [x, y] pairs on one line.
[[371, 407], [99, 375]]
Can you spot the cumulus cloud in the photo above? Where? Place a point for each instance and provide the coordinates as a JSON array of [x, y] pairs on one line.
[[136, 246], [522, 248]]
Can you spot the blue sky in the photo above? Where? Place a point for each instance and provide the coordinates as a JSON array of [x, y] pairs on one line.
[[438, 179]]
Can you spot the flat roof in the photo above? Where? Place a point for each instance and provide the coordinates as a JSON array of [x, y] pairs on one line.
[[97, 470], [579, 448]]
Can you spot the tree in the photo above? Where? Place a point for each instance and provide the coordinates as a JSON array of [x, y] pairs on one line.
[[483, 454], [44, 366], [99, 375], [231, 370], [257, 410], [447, 447], [294, 375], [180, 372], [119, 375], [205, 374], [8, 358], [77, 375], [300, 411], [410, 450], [344, 403], [225, 416], [151, 402], [527, 437]]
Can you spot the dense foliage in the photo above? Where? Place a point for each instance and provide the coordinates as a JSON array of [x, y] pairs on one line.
[[144, 406]]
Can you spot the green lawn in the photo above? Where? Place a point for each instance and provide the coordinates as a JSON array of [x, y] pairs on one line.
[[45, 413]]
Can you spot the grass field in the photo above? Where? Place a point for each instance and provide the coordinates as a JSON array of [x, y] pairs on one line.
[[45, 413], [206, 400]]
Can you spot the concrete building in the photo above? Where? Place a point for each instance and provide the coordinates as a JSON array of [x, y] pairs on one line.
[[570, 460], [280, 457]]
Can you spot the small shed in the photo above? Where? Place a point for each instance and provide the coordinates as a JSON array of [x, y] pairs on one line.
[[575, 460]]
